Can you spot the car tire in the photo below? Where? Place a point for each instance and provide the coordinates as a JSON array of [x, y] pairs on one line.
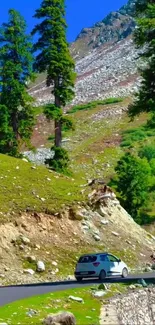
[[102, 275], [125, 272], [79, 279]]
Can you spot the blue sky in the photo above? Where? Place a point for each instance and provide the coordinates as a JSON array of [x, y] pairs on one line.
[[80, 13]]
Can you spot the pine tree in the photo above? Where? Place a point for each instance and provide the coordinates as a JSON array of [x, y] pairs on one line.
[[54, 58], [16, 60], [145, 36]]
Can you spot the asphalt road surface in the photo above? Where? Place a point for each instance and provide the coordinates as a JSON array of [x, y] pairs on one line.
[[12, 293]]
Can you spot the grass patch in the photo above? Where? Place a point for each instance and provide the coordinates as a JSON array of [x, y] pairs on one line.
[[86, 313], [136, 135], [23, 187], [94, 104]]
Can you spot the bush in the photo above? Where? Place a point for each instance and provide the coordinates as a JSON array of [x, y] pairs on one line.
[[60, 161], [132, 182], [133, 135], [148, 152]]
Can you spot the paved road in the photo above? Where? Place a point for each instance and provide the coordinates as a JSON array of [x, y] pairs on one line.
[[12, 293]]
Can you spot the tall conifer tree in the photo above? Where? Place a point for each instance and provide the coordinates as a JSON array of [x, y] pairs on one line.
[[54, 58], [16, 60]]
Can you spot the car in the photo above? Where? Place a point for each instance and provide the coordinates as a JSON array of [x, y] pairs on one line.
[[100, 265]]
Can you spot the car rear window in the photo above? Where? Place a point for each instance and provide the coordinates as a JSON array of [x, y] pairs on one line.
[[87, 259], [103, 258]]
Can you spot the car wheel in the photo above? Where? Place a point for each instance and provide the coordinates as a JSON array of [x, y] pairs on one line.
[[79, 279], [102, 275], [124, 272]]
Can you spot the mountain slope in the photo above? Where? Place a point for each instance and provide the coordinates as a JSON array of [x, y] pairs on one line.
[[113, 28], [106, 60]]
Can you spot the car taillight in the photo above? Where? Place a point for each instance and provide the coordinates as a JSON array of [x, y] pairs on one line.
[[96, 264]]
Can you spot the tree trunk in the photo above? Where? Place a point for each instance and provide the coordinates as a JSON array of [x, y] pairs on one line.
[[58, 124], [58, 133], [15, 126]]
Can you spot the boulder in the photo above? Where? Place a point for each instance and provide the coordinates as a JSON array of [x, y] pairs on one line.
[[40, 266], [62, 318], [78, 299]]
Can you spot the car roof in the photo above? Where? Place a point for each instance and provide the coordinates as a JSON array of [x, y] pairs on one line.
[[95, 254]]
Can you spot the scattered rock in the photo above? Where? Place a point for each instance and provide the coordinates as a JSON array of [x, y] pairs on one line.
[[42, 199], [22, 247], [99, 294], [31, 313], [24, 240], [40, 266], [33, 167], [115, 233], [24, 159], [78, 299], [37, 246], [102, 211], [29, 271], [85, 227], [97, 237], [54, 263], [104, 222]]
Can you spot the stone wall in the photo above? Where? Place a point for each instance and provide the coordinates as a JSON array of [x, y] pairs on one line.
[[135, 308]]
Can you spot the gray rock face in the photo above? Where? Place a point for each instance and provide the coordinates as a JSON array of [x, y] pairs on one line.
[[136, 307], [39, 156]]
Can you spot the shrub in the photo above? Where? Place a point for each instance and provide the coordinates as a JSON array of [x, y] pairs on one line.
[[60, 161], [148, 152], [93, 104], [132, 182]]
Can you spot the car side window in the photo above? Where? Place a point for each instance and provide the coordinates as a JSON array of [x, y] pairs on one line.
[[103, 258], [112, 258]]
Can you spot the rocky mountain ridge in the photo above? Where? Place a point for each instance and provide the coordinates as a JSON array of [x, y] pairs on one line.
[[106, 60], [116, 26]]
